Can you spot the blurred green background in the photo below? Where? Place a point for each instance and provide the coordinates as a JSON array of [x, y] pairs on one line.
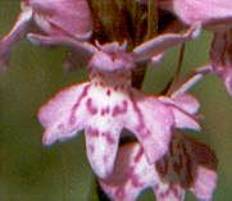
[[31, 172]]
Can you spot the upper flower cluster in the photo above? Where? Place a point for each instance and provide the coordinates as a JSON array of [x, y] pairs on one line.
[[215, 16]]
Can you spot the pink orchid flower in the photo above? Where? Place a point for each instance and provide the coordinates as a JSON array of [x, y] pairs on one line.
[[107, 103], [216, 16], [189, 165], [52, 17]]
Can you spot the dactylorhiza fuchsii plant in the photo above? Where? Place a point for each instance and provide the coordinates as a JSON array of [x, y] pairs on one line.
[[108, 103]]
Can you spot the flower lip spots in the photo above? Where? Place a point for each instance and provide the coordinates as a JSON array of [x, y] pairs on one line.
[[94, 132], [120, 109], [120, 193], [109, 137], [108, 92], [105, 111], [139, 155], [92, 148], [84, 93], [91, 108]]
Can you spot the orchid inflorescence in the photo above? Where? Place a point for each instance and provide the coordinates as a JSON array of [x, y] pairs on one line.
[[110, 106]]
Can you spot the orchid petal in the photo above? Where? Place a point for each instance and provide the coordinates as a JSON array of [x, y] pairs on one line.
[[187, 84], [168, 192], [160, 43], [63, 17], [131, 175], [204, 184], [81, 47], [107, 111], [206, 12], [64, 114], [184, 120], [184, 108], [17, 32], [152, 126], [187, 102], [102, 147], [80, 52]]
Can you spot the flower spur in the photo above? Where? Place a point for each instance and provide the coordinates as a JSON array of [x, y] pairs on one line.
[[107, 103]]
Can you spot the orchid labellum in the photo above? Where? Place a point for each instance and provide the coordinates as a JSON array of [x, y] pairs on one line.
[[188, 165], [51, 17], [107, 103]]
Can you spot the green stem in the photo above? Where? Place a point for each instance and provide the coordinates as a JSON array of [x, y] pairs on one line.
[[176, 77]]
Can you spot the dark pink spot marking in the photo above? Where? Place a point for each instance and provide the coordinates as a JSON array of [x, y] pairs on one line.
[[109, 138], [175, 192], [120, 193], [144, 133], [93, 132], [61, 126], [108, 92], [120, 109], [116, 87], [156, 187], [105, 111], [135, 181], [84, 93], [138, 155], [91, 108], [164, 194], [134, 178], [91, 149]]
